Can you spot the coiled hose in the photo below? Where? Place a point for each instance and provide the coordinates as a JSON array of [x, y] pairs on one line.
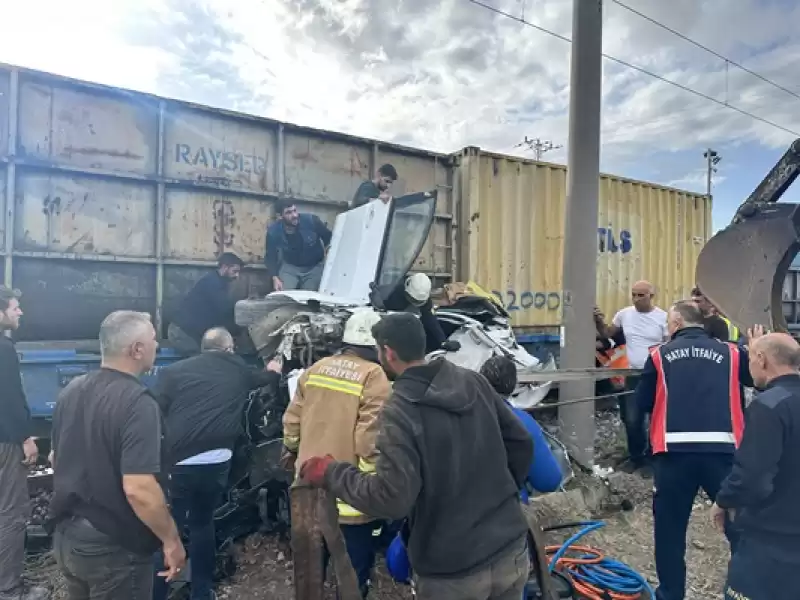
[[595, 576]]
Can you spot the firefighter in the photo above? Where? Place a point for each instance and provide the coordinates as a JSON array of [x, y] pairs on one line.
[[691, 385], [415, 297], [335, 412]]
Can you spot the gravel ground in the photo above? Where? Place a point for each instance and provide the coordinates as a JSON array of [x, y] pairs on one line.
[[265, 569]]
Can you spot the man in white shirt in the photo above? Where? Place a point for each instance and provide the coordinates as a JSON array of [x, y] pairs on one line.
[[644, 326]]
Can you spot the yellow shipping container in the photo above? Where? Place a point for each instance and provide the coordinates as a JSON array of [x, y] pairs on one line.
[[512, 235]]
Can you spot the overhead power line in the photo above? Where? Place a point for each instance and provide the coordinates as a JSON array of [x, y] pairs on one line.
[[707, 49], [642, 70]]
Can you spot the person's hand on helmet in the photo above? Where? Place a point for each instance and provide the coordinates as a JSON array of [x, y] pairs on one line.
[[313, 470]]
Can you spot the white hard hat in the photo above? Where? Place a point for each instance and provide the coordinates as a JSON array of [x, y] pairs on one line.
[[418, 288], [358, 329]]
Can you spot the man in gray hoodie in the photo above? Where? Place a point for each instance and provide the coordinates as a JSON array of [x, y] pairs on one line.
[[451, 459]]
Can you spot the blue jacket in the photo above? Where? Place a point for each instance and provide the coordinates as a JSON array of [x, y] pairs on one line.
[[315, 235], [544, 474], [692, 385]]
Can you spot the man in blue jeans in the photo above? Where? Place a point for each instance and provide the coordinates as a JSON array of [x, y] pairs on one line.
[[202, 400]]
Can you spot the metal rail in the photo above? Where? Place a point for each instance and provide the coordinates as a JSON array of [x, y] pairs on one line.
[[560, 375]]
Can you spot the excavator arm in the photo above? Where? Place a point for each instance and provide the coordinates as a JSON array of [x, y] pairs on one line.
[[741, 269]]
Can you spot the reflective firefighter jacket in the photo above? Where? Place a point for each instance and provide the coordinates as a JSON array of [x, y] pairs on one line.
[[335, 411], [692, 385]]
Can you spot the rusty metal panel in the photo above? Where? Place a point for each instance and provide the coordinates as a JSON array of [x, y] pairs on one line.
[[85, 215], [200, 224], [207, 147], [324, 168], [513, 211], [66, 124], [68, 299], [5, 76]]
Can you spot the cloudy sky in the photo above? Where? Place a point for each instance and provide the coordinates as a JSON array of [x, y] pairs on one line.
[[443, 74]]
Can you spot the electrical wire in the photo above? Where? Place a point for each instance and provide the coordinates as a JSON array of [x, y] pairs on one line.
[[642, 70], [594, 575], [706, 48], [580, 400]]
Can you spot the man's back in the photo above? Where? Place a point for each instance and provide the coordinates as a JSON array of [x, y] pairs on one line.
[[106, 424], [468, 510], [330, 402], [767, 488], [701, 395], [203, 399]]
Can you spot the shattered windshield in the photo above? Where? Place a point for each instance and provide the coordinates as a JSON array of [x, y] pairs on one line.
[[407, 232]]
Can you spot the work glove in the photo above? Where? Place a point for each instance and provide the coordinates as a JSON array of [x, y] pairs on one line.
[[313, 470], [287, 460]]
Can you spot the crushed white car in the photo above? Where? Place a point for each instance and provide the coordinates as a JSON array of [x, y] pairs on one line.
[[372, 250]]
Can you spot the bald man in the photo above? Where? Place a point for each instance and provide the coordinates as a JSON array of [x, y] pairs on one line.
[[202, 400], [644, 325], [761, 493]]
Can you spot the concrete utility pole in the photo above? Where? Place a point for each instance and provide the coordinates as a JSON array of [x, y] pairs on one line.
[[539, 147], [580, 234], [712, 160]]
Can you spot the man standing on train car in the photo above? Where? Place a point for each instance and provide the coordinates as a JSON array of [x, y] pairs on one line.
[[375, 188], [295, 253], [17, 451], [692, 387]]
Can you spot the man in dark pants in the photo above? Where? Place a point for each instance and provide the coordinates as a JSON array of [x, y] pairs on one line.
[[207, 305], [295, 251], [761, 493], [17, 451], [644, 325], [443, 429], [109, 511], [202, 400], [692, 387]]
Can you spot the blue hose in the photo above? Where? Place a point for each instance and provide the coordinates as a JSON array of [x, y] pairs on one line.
[[608, 574]]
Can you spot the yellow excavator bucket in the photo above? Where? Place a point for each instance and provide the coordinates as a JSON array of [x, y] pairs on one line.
[[741, 269]]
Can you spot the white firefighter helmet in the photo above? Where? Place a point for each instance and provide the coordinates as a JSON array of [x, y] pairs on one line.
[[418, 288], [358, 329]]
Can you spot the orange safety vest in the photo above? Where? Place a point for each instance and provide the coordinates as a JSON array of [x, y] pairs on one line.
[[614, 358]]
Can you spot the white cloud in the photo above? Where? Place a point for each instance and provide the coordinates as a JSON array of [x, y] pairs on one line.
[[696, 181], [435, 74]]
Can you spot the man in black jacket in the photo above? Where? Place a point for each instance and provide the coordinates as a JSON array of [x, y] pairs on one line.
[[208, 304], [452, 458], [202, 400], [17, 449], [761, 491]]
